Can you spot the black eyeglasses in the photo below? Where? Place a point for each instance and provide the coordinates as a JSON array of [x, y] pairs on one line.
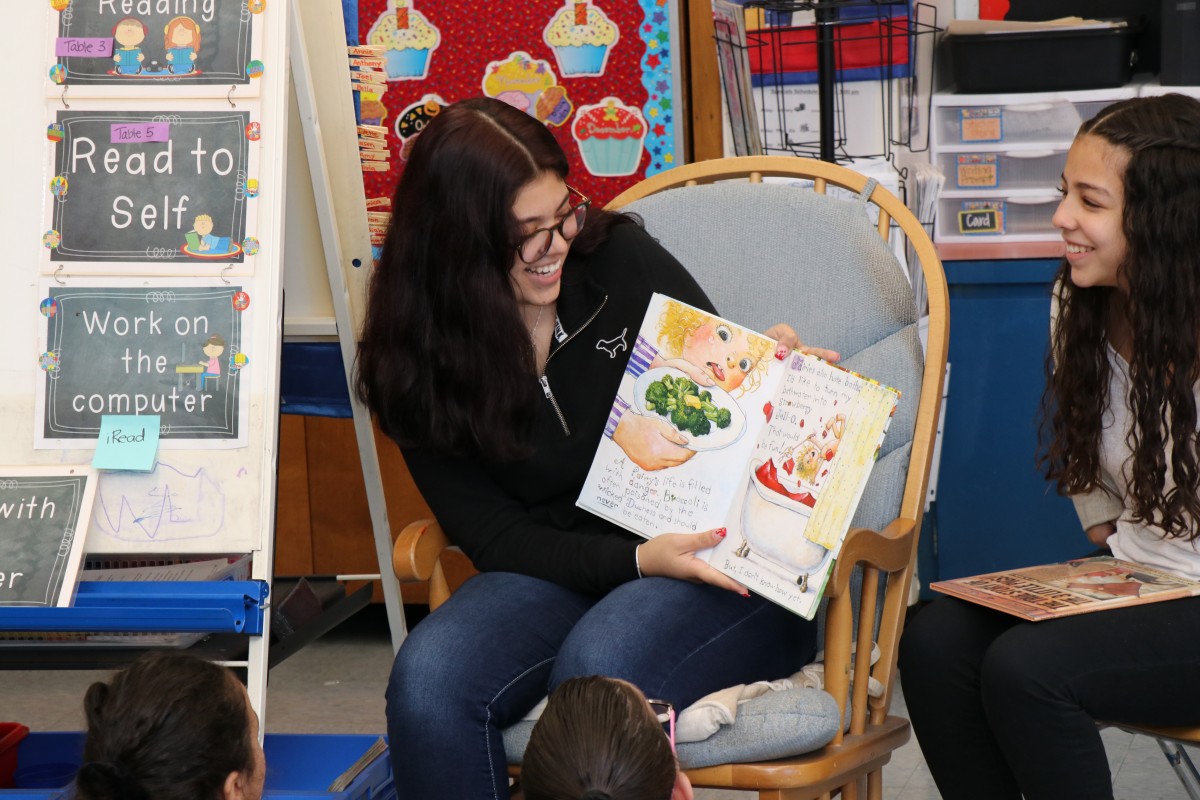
[[665, 712], [537, 244]]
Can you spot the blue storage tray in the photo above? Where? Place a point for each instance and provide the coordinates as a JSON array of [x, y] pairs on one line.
[[150, 606], [299, 766]]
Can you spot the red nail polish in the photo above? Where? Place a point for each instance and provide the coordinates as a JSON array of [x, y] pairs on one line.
[[781, 352], [720, 532], [745, 594]]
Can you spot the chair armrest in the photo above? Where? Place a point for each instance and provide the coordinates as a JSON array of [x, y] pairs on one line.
[[417, 549], [888, 550]]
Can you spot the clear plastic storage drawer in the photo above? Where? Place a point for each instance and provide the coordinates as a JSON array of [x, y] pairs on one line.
[[1027, 217], [1045, 122], [1009, 169]]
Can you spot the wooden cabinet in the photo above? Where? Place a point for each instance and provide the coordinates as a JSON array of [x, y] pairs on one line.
[[322, 523]]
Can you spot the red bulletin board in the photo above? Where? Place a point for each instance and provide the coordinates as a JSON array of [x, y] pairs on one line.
[[606, 87]]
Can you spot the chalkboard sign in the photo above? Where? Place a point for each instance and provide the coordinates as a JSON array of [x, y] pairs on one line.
[[44, 513], [174, 351], [142, 187], [141, 43]]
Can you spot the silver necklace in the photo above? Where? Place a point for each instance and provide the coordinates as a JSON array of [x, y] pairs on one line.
[[537, 321]]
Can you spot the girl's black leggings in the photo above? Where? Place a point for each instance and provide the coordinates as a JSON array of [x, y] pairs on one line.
[[1004, 708]]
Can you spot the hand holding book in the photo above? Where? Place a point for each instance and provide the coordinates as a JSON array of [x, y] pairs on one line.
[[651, 442], [673, 555]]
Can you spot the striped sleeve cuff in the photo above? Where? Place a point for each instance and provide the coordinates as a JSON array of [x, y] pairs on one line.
[[641, 357], [619, 408]]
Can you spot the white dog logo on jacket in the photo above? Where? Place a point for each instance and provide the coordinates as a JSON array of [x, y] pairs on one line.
[[614, 345]]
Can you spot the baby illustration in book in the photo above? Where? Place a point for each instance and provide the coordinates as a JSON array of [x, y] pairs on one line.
[[687, 378], [785, 485]]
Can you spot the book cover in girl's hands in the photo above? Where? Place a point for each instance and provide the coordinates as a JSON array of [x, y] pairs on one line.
[[710, 429]]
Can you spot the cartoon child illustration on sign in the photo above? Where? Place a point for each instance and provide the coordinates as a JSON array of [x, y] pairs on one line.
[[204, 227], [128, 34], [706, 360], [213, 348], [181, 41], [202, 243]]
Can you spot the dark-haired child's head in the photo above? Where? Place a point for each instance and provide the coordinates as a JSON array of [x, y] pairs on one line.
[[598, 739], [171, 727]]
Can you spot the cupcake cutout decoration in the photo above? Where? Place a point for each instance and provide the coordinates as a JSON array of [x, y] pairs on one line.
[[409, 40], [528, 84], [610, 135], [581, 36], [414, 119]]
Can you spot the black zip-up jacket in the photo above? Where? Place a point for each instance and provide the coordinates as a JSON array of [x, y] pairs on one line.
[[520, 516]]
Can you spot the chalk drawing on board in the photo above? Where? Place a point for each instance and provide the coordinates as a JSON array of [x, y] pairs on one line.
[[178, 351], [148, 190], [168, 504], [41, 536], [169, 48]]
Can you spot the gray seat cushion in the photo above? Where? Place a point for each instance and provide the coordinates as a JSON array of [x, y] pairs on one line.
[[772, 725]]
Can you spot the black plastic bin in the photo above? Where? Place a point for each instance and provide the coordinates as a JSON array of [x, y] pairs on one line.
[[1043, 61]]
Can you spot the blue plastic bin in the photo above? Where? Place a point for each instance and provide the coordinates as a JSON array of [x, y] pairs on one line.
[[299, 766], [46, 764]]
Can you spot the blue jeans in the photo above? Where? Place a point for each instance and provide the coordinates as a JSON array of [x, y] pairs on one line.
[[503, 641]]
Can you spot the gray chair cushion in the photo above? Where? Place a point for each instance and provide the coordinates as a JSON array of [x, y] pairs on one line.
[[772, 725]]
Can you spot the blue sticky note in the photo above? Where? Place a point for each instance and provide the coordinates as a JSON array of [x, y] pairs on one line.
[[127, 441]]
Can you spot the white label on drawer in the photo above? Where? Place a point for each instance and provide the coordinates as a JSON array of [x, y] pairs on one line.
[[977, 171], [981, 216], [982, 124]]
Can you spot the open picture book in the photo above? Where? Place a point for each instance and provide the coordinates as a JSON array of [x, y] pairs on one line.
[[777, 451], [1070, 587]]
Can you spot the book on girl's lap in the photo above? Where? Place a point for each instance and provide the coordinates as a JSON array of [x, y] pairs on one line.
[[1072, 587], [782, 449]]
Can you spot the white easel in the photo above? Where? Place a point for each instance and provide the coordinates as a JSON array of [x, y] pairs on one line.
[[185, 607], [321, 74]]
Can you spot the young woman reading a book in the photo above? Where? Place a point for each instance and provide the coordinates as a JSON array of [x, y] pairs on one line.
[[170, 727], [499, 322], [600, 739], [1004, 708]]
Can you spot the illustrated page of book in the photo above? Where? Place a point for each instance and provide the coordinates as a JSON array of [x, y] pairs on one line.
[[1070, 587], [807, 474], [629, 483]]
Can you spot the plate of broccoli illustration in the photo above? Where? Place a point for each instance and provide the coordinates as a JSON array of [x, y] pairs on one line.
[[707, 415]]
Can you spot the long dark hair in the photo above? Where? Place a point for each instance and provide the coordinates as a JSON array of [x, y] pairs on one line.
[[169, 727], [597, 740], [444, 359], [1161, 270]]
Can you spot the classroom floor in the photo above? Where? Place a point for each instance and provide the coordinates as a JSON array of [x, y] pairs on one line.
[[336, 686]]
